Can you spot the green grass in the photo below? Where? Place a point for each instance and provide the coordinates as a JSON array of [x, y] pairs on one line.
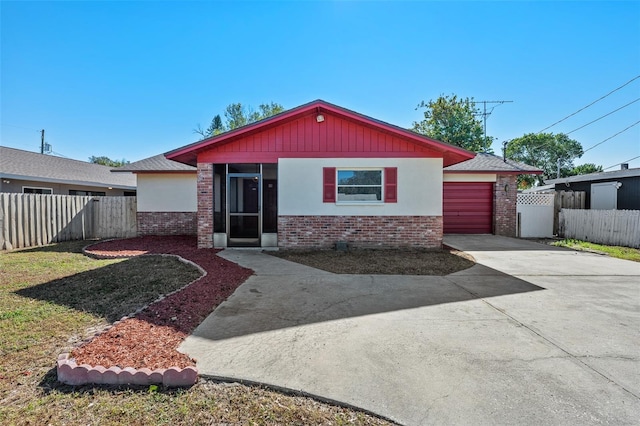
[[625, 253], [51, 296]]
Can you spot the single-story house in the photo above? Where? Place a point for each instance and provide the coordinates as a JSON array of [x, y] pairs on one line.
[[34, 173], [616, 190], [319, 174]]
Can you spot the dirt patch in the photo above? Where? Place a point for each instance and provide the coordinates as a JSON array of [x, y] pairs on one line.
[[381, 262], [151, 338]]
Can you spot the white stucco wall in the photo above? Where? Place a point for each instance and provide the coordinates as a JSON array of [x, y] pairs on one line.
[[169, 192], [469, 177], [419, 187]]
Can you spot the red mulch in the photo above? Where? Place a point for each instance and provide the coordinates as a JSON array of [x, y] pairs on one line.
[[151, 338]]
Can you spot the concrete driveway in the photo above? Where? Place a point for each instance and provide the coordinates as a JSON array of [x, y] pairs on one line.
[[530, 335]]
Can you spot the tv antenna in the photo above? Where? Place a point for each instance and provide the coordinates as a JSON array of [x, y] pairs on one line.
[[485, 114]]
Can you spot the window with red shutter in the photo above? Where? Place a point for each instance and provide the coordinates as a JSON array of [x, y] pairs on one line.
[[390, 184], [329, 185]]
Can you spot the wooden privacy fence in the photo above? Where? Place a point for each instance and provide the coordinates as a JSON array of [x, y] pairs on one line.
[[566, 200], [28, 220], [611, 227]]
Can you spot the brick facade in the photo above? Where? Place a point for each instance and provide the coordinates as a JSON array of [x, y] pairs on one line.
[[205, 205], [360, 231], [504, 205], [166, 223]]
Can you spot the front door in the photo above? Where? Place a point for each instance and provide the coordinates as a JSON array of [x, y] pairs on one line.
[[244, 224]]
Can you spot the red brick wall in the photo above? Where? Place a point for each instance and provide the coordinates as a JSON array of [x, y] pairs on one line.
[[205, 205], [504, 207], [360, 231], [166, 223]]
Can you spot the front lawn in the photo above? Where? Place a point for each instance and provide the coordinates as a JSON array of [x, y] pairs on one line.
[[626, 253], [52, 297]]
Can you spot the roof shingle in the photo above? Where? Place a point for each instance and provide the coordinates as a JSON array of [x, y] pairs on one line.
[[157, 163], [484, 162], [19, 164]]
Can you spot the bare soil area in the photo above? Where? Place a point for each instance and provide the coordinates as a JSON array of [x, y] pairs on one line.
[[381, 261]]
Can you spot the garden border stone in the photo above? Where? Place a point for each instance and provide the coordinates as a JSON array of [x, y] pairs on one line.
[[70, 373]]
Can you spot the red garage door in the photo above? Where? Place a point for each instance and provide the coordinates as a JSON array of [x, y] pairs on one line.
[[468, 207]]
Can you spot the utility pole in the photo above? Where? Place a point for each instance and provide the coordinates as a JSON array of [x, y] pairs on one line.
[[558, 172], [485, 114], [42, 141]]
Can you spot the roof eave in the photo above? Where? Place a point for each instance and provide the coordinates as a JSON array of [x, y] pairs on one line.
[[173, 172], [500, 172], [66, 181]]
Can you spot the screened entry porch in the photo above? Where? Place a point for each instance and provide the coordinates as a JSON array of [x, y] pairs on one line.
[[245, 206]]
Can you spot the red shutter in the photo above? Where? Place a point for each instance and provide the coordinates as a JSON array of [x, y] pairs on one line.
[[329, 185], [390, 184]]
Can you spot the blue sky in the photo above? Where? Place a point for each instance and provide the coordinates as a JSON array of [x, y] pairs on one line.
[[133, 79]]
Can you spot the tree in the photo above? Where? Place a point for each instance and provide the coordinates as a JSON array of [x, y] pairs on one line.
[[216, 126], [236, 115], [547, 151], [585, 169], [106, 161], [455, 121]]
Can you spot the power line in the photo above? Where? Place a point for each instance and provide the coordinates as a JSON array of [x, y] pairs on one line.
[[611, 137], [585, 107], [600, 118], [625, 161]]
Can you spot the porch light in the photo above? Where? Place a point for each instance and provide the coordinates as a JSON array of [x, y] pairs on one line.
[[320, 118]]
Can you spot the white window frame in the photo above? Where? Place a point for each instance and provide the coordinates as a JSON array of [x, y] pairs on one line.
[[360, 169], [37, 187], [87, 193]]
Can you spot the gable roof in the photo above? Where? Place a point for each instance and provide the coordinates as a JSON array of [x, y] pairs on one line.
[[616, 174], [157, 163], [188, 154], [490, 163], [26, 165]]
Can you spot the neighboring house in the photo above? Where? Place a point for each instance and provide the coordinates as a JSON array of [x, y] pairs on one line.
[[479, 195], [34, 173], [316, 175], [619, 189]]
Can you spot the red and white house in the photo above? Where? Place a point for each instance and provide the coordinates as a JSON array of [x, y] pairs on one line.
[[320, 174]]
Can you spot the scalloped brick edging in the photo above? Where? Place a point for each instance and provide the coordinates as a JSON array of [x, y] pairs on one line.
[[70, 373]]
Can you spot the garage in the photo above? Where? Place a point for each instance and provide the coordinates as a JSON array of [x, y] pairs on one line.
[[468, 207]]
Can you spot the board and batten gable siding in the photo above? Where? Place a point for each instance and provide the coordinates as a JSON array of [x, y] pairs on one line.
[[167, 192], [335, 137], [301, 187]]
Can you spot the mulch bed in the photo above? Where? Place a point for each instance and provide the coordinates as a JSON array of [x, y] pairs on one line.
[[381, 261], [151, 338]]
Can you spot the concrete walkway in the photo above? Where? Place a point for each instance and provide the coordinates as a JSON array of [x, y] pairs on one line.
[[530, 335]]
